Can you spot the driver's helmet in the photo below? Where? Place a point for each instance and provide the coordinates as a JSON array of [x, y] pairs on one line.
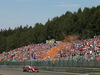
[[29, 66]]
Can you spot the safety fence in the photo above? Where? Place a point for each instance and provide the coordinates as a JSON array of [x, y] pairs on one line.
[[75, 61]]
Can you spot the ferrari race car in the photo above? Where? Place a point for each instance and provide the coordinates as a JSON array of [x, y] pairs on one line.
[[30, 69]]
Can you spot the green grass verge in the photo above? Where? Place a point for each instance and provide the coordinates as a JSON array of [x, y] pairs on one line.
[[65, 72], [94, 74], [1, 74]]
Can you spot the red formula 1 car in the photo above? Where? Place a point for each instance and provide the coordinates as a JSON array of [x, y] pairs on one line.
[[30, 69]]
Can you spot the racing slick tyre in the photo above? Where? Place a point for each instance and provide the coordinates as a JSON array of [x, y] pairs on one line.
[[37, 71], [30, 71], [23, 70]]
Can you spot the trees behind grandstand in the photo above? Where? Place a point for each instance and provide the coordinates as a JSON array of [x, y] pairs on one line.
[[84, 23]]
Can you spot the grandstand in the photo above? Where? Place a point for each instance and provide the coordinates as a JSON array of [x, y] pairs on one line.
[[54, 50]]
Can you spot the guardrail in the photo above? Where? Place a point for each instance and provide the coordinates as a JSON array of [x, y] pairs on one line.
[[76, 61]]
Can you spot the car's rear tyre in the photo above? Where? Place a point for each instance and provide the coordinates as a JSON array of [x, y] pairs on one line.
[[30, 71], [23, 70]]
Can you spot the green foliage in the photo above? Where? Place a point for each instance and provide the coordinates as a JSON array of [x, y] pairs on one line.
[[84, 23]]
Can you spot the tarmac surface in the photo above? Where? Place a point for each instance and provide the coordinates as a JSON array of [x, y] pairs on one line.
[[20, 72]]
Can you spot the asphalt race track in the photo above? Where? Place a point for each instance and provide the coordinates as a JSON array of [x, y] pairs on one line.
[[20, 72]]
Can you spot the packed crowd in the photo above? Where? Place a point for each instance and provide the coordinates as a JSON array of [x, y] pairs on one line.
[[30, 52], [79, 48], [38, 51]]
